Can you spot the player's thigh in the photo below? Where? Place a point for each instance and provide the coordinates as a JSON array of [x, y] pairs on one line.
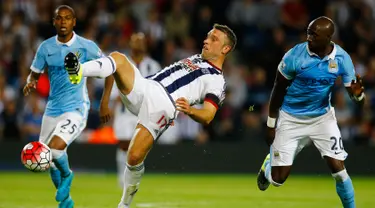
[[157, 110], [140, 145], [290, 138], [69, 126], [126, 73], [327, 139], [47, 128]]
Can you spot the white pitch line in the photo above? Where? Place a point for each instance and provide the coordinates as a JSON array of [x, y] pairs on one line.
[[170, 204]]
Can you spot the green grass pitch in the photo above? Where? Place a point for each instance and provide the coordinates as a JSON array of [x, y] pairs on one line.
[[35, 190]]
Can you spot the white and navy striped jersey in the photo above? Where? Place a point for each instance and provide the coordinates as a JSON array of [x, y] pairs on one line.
[[195, 79]]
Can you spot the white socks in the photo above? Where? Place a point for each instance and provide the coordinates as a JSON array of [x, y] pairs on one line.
[[133, 175], [121, 158], [102, 67]]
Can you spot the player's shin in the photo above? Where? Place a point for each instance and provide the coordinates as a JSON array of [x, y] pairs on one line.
[[133, 175], [60, 158], [344, 188], [55, 175], [102, 67], [121, 158]]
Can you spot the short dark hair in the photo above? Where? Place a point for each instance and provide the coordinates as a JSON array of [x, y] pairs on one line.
[[65, 7], [229, 33]]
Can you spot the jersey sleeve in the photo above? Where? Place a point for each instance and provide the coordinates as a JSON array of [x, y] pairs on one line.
[[215, 92], [93, 51], [287, 66], [349, 72], [39, 61]]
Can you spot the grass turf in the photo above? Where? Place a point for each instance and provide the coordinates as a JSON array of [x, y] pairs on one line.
[[29, 190]]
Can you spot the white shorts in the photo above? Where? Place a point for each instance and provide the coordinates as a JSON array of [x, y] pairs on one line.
[[67, 126], [150, 101], [293, 134], [124, 123]]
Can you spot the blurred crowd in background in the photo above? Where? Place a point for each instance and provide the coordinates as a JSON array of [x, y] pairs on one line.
[[175, 29]]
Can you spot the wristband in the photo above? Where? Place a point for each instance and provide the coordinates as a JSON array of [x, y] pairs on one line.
[[28, 79], [271, 122], [360, 97]]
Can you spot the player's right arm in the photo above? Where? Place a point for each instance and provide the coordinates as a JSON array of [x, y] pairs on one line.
[[105, 112], [284, 76], [352, 81], [37, 67]]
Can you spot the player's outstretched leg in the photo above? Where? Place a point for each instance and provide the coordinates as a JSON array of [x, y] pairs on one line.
[[139, 147], [60, 159], [262, 180], [116, 63], [344, 185]]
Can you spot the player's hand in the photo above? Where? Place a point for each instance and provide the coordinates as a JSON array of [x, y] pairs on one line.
[[183, 105], [270, 136], [104, 113], [29, 87], [357, 86]]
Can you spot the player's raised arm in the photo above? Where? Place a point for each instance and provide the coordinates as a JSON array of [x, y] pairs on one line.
[[352, 81], [357, 91]]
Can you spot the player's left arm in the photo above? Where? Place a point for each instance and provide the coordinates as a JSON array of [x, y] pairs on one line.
[[352, 81], [94, 52], [214, 97], [202, 115]]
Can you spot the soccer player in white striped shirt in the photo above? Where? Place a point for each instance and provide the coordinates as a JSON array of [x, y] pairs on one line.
[[157, 99]]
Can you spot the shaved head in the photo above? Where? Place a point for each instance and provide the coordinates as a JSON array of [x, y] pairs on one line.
[[323, 24], [319, 35]]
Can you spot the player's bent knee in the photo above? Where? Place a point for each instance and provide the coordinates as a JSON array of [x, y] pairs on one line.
[[118, 57], [135, 157], [57, 143]]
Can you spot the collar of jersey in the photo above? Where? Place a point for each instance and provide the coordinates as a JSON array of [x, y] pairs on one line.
[[69, 43], [330, 56]]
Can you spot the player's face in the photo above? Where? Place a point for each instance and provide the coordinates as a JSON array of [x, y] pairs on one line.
[[317, 38], [215, 45], [138, 43], [64, 22]]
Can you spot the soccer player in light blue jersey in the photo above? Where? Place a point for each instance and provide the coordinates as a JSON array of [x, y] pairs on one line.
[[300, 109], [67, 108]]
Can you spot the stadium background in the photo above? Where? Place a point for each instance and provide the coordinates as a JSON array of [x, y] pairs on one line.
[[175, 29]]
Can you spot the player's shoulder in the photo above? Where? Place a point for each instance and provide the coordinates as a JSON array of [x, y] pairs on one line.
[[297, 50], [50, 42], [340, 52]]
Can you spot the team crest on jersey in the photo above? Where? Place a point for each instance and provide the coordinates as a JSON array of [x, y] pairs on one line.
[[189, 65], [332, 66]]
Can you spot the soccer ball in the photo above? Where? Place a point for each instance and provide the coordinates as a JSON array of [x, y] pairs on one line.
[[36, 157]]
